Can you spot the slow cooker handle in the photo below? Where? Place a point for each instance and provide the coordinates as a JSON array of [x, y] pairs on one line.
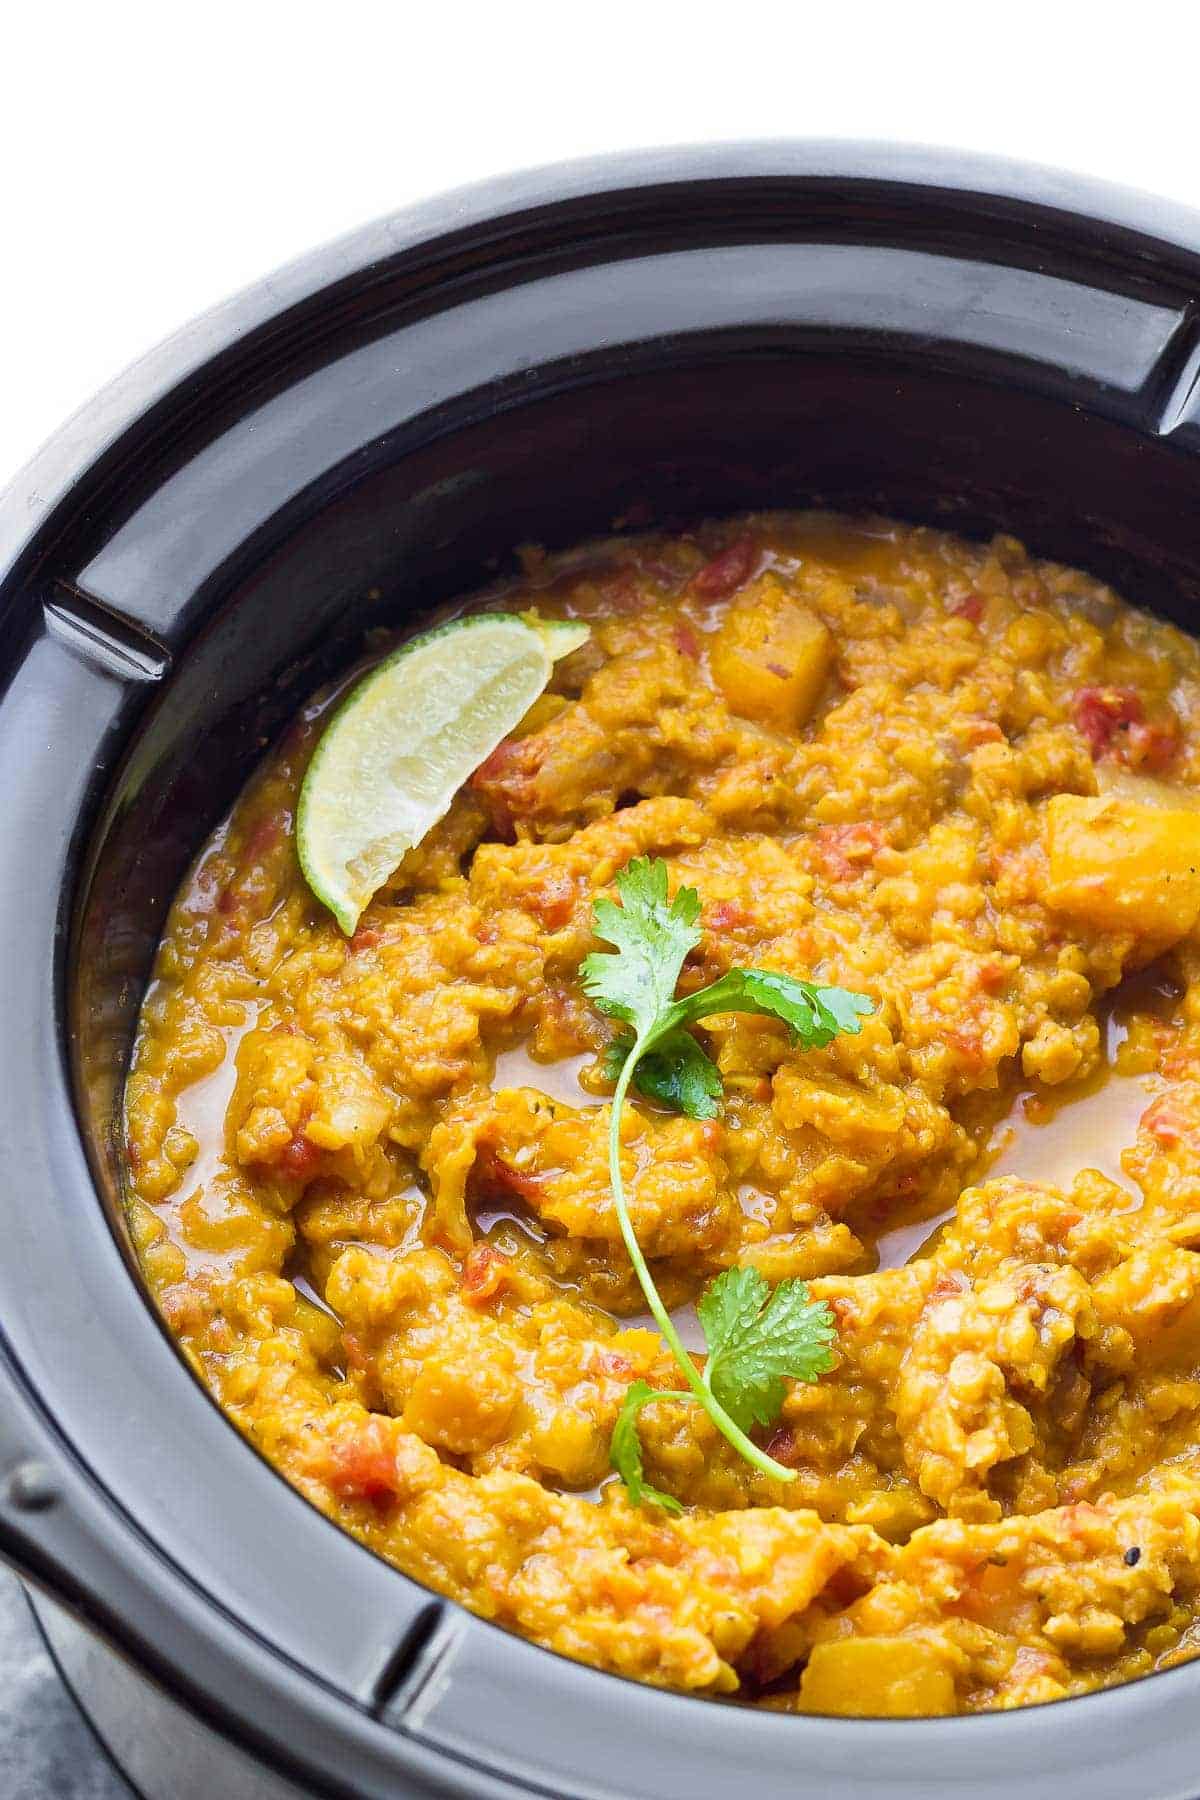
[[63, 1537], [40, 1537]]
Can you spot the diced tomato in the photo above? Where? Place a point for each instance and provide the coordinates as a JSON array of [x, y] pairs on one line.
[[726, 913], [299, 1158], [485, 1272], [1082, 1518], [991, 976], [506, 780], [1100, 712], [554, 901], [726, 573], [266, 836], [250, 892], [620, 589], [952, 1282], [970, 608], [611, 1362], [845, 849], [966, 1035], [1164, 1122], [365, 938], [363, 1466], [1152, 747], [492, 1172], [686, 641], [498, 765], [1114, 723], [1170, 1121], [782, 1446]]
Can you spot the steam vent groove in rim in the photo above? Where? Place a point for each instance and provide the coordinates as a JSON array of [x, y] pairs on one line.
[[104, 637], [410, 1664], [1177, 376]]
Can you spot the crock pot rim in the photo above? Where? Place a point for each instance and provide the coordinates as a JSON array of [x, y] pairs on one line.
[[30, 499]]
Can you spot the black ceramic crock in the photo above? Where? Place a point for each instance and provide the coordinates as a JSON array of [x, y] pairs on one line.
[[652, 337]]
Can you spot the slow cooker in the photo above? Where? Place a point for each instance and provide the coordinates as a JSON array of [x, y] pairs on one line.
[[647, 338]]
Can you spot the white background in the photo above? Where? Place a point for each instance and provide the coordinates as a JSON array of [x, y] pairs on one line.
[[155, 157]]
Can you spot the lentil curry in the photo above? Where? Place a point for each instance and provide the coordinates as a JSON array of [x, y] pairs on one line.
[[368, 1182]]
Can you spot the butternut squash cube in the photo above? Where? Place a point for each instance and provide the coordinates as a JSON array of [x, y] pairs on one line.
[[771, 656], [456, 1405], [876, 1677], [1120, 865]]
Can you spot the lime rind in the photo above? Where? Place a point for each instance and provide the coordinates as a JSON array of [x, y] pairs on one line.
[[560, 636], [397, 750]]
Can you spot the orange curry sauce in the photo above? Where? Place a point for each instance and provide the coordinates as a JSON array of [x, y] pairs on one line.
[[368, 1183]]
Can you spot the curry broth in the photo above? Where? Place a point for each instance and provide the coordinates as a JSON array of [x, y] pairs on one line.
[[367, 1180]]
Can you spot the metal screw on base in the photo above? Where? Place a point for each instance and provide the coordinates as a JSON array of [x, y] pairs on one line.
[[31, 1487]]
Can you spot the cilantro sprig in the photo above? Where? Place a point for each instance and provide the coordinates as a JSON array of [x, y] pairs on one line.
[[756, 1339]]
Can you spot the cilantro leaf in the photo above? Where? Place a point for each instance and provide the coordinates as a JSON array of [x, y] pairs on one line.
[[756, 1339], [651, 939], [625, 1448], [729, 1303], [814, 1015], [677, 1072]]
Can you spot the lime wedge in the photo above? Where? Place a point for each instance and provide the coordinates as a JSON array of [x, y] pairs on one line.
[[401, 744]]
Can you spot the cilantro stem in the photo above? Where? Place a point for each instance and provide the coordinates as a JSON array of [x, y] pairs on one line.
[[662, 1318]]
